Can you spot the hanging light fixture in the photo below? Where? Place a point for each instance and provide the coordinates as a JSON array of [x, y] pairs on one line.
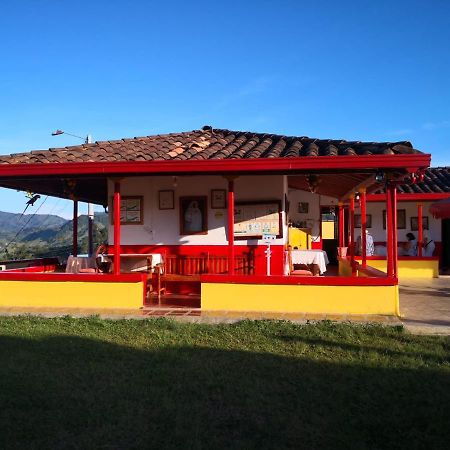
[[313, 182]]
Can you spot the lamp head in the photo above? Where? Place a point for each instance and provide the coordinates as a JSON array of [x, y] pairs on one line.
[[57, 132]]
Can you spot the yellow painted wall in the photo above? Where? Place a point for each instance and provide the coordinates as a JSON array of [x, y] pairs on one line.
[[69, 294], [303, 299], [328, 230], [410, 268]]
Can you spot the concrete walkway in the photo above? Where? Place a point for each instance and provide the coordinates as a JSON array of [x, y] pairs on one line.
[[425, 305]]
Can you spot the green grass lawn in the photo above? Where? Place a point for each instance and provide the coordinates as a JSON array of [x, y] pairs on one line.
[[97, 384]]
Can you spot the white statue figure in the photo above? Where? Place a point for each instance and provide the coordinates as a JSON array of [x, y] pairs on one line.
[[193, 218]]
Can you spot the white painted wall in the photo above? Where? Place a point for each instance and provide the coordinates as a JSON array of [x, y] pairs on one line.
[[163, 226], [313, 216], [379, 234]]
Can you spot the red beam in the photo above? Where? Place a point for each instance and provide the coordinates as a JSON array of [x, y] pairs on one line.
[[410, 197], [75, 229], [389, 231], [231, 265], [363, 227], [117, 228], [351, 244], [341, 224], [411, 162], [420, 227], [394, 230]]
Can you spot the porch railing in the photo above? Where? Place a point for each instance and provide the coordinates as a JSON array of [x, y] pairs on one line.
[[207, 264]]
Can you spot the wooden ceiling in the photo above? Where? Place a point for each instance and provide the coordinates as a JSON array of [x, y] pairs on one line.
[[332, 185]]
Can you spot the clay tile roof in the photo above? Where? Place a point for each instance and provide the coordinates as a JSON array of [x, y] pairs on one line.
[[208, 143], [436, 180]]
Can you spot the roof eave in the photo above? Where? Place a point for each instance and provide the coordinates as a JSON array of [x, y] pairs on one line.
[[408, 162]]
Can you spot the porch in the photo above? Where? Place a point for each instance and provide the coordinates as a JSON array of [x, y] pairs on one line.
[[220, 226]]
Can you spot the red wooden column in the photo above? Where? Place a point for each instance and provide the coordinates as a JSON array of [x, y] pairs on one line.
[[230, 226], [362, 199], [75, 229], [420, 227], [116, 227], [389, 232], [351, 243], [394, 230], [341, 224]]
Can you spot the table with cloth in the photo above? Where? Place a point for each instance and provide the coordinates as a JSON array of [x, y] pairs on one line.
[[318, 258]]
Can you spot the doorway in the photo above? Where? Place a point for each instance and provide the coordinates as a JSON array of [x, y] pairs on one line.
[[329, 232]]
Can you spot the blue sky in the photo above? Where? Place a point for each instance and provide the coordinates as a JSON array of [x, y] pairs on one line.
[[360, 70]]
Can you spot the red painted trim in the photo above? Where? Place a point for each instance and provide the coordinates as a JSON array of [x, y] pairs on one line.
[[402, 258], [410, 162], [75, 229], [81, 277], [410, 197], [257, 251], [341, 225], [292, 280], [352, 234], [363, 227], [394, 230], [231, 266], [390, 244], [117, 228], [420, 227], [40, 269]]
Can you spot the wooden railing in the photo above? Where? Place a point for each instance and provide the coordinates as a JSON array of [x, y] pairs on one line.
[[205, 263]]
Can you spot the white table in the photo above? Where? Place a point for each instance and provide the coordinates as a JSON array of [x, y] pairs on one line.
[[76, 263], [136, 262], [318, 257]]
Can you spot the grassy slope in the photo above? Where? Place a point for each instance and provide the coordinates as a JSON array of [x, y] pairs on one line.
[[89, 383]]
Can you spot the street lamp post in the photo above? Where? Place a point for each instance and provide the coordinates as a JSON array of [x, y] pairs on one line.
[[87, 140]]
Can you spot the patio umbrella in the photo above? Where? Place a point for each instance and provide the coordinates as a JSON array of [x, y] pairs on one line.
[[441, 210]]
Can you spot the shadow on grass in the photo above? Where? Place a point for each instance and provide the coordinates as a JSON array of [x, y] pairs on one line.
[[70, 392], [381, 350]]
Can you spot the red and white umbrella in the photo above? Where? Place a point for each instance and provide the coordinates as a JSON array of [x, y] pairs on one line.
[[441, 210]]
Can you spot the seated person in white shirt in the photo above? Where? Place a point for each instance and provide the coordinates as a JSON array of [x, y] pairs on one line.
[[410, 247], [370, 248], [428, 245]]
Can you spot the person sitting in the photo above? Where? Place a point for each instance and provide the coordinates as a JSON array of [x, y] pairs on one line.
[[428, 245], [370, 247], [410, 247]]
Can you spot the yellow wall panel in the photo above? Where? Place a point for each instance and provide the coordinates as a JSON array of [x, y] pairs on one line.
[[71, 294], [304, 298]]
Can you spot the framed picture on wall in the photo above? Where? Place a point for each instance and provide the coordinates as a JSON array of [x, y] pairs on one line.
[[218, 198], [303, 207], [358, 220], [415, 223], [131, 210], [193, 215], [166, 199], [401, 219]]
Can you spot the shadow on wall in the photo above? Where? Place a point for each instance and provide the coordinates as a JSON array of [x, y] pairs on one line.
[[69, 392]]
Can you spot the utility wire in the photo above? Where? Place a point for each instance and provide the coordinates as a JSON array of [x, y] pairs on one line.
[[5, 248]]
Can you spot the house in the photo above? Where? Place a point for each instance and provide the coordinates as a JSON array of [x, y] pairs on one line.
[[214, 207]]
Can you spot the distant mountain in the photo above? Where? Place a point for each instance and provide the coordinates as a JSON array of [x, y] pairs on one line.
[[46, 235], [12, 223]]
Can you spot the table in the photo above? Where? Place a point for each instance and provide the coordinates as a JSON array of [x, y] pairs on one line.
[[317, 257], [137, 262], [77, 263]]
